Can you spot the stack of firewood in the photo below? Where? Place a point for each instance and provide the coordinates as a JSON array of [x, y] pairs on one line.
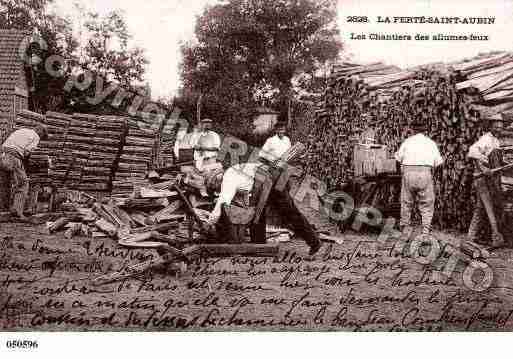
[[166, 156], [387, 100], [135, 159], [91, 148], [95, 153]]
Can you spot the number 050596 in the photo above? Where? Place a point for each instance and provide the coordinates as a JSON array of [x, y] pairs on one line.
[[21, 344]]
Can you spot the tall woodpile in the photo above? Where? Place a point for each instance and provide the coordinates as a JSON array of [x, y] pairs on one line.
[[135, 158], [93, 153], [450, 99], [92, 145], [166, 142]]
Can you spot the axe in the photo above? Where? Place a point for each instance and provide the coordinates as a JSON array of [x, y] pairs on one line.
[[495, 170]]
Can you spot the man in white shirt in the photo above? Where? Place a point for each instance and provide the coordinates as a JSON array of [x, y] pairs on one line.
[[207, 145], [480, 153], [276, 145], [250, 178], [418, 156], [16, 149]]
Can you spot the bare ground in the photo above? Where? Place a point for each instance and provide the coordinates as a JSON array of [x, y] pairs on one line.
[[46, 283]]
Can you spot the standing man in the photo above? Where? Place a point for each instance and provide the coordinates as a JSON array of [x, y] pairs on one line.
[[276, 145], [207, 146], [418, 156], [14, 151], [480, 152]]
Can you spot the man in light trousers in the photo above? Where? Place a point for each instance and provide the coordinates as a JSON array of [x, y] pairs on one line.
[[418, 156]]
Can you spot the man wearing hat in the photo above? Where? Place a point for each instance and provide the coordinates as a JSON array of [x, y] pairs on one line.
[[276, 145], [480, 153], [207, 145], [14, 151], [418, 156]]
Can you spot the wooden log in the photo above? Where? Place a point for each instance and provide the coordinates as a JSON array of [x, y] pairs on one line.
[[139, 218], [106, 214], [147, 203], [106, 227], [72, 230], [137, 269], [222, 250], [145, 192], [162, 227], [166, 213], [123, 216], [152, 236], [474, 250], [57, 225]]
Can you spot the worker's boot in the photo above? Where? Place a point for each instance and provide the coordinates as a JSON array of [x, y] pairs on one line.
[[18, 205]]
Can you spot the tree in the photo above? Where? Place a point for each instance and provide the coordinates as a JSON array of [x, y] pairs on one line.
[[107, 53], [249, 51], [32, 16], [107, 50]]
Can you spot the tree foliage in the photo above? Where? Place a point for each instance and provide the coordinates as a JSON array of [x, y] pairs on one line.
[[32, 16], [106, 53], [249, 51]]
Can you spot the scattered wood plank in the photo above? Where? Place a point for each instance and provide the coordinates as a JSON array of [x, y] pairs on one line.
[[106, 227], [147, 203], [57, 225], [145, 192], [166, 213]]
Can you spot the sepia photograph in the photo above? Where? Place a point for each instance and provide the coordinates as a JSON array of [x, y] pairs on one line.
[[255, 166]]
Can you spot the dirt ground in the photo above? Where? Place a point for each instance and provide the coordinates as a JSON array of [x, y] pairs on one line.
[[46, 283]]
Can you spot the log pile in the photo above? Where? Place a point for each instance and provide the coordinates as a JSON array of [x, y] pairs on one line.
[[451, 100], [91, 148], [166, 156], [121, 216], [135, 159], [95, 153], [161, 217]]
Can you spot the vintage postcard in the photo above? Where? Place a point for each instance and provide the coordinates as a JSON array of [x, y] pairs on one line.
[[255, 165]]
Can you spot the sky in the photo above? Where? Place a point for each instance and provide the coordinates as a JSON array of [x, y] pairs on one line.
[[159, 26]]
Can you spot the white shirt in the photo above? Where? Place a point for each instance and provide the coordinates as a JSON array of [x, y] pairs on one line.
[[483, 147], [275, 147], [180, 139], [22, 141], [240, 177], [419, 150]]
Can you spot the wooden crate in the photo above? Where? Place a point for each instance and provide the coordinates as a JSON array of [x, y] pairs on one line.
[[185, 154], [372, 160]]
